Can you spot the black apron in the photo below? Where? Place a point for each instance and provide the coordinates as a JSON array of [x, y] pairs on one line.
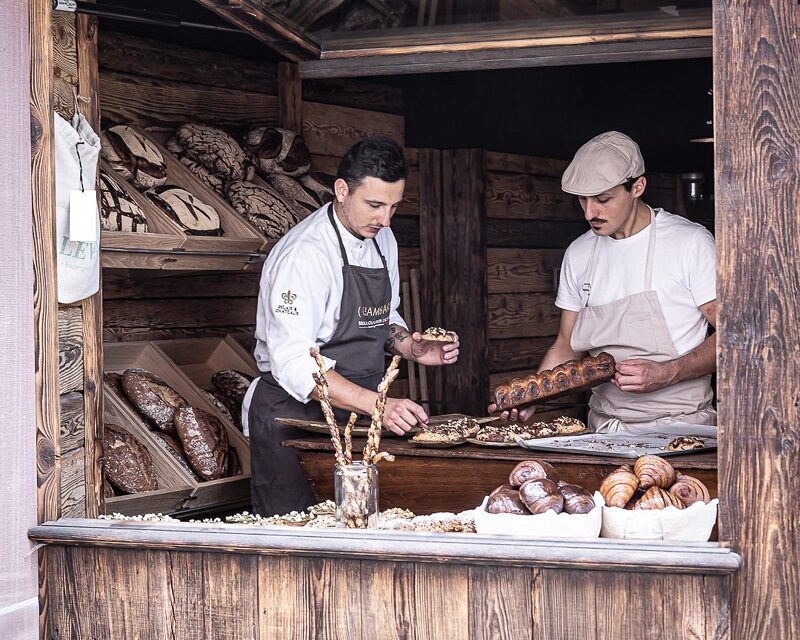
[[278, 484]]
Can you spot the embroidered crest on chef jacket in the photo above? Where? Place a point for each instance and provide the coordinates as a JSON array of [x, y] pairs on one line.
[[288, 298]]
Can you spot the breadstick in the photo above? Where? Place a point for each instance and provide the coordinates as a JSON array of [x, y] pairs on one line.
[[374, 435], [325, 402], [383, 455], [348, 438]]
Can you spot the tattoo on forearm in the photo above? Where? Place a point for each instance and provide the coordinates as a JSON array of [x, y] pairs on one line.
[[396, 335]]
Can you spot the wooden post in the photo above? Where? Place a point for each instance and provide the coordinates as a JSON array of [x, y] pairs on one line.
[[757, 137], [431, 227], [290, 97], [463, 282], [88, 87]]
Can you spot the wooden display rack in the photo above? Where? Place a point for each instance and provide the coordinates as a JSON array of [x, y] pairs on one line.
[[144, 355]]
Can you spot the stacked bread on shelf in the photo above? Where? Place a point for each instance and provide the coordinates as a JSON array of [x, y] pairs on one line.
[[652, 483], [565, 378], [196, 439]]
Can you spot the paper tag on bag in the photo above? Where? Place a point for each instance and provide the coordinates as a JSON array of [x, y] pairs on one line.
[[83, 215]]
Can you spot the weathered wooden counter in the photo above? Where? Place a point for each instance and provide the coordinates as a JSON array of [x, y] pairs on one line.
[[155, 581], [431, 480]]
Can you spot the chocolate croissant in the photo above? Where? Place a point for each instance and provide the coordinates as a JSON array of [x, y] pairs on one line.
[[566, 377], [541, 495], [532, 470], [689, 490], [657, 498], [576, 498], [619, 486], [507, 501], [654, 471]]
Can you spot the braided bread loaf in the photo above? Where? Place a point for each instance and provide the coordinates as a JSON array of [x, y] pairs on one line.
[[570, 376]]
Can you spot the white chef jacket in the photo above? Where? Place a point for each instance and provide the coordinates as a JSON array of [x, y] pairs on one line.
[[300, 294]]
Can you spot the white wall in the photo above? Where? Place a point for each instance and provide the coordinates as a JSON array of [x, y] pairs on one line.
[[19, 608]]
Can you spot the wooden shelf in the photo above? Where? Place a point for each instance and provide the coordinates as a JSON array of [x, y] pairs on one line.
[[178, 260]]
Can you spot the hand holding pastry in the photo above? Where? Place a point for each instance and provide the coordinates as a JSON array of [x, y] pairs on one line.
[[433, 349]]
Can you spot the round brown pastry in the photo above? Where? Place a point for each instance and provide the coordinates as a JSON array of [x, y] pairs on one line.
[[518, 394], [501, 396], [546, 383], [533, 388], [654, 471], [605, 364], [590, 373], [685, 443], [532, 470], [543, 430], [438, 334], [561, 381], [574, 373], [506, 501], [619, 486], [565, 425], [657, 498], [127, 461], [689, 490], [576, 498], [152, 397], [541, 495], [502, 487]]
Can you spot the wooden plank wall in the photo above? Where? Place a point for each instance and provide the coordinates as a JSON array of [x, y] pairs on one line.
[[757, 142], [152, 594]]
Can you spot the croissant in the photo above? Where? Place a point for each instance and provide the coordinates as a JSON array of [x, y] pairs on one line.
[[531, 470], [689, 490], [541, 495], [569, 376], [654, 471], [657, 498], [506, 501], [576, 498], [619, 486]]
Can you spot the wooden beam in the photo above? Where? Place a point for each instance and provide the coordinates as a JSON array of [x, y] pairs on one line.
[[89, 87], [290, 97], [268, 26], [757, 138], [463, 247], [532, 234]]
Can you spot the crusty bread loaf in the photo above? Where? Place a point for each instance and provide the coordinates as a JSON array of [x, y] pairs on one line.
[[551, 383], [205, 441], [127, 461], [175, 451], [152, 397]]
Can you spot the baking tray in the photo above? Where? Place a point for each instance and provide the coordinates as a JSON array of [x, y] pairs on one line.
[[625, 444], [361, 428]]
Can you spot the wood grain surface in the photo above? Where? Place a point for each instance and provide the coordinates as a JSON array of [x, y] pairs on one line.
[[72, 422], [70, 349], [522, 270], [517, 315], [528, 197], [532, 234], [517, 353], [331, 130], [757, 180], [290, 97]]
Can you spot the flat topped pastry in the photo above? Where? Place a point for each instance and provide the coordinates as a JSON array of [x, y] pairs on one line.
[[686, 443], [507, 433], [452, 431], [438, 334]]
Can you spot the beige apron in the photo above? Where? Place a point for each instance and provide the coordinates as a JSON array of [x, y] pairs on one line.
[[634, 327]]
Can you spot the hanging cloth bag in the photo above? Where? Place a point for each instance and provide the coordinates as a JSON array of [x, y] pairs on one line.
[[77, 148]]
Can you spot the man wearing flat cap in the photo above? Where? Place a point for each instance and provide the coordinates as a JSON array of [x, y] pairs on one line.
[[641, 285]]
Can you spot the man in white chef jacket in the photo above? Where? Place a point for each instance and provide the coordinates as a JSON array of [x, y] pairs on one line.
[[641, 285], [332, 282]]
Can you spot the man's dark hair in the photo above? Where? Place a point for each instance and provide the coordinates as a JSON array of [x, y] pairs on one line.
[[628, 184], [373, 157]]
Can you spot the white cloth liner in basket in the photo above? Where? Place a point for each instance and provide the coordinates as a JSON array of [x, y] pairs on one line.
[[692, 524]]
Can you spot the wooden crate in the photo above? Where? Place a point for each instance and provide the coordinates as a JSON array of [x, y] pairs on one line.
[[174, 487], [119, 356], [164, 235], [201, 358], [239, 234]]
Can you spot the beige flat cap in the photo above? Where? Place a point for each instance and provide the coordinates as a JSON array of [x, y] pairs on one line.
[[604, 162]]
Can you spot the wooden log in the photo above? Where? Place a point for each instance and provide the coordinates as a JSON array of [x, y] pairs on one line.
[[331, 130], [183, 261], [72, 422], [527, 197], [128, 54], [165, 103], [361, 94], [756, 55], [522, 270], [65, 62], [92, 307], [63, 100], [532, 234], [517, 315], [70, 349], [517, 353], [166, 313], [134, 334], [290, 101]]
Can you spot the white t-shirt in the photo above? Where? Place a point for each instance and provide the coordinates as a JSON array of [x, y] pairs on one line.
[[684, 274], [300, 294]]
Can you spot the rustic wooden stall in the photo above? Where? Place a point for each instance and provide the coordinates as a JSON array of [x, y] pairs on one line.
[[105, 579]]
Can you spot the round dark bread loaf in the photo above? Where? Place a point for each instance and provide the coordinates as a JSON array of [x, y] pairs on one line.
[[152, 397], [541, 495], [127, 461], [205, 441], [506, 501], [175, 451], [233, 384], [532, 470], [576, 498]]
